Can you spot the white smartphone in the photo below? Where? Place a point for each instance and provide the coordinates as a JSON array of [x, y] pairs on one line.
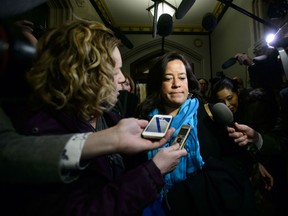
[[157, 127], [182, 136]]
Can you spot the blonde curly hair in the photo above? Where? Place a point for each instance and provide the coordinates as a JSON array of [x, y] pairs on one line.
[[74, 69]]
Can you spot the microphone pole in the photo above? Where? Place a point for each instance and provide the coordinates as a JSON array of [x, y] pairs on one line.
[[247, 13]]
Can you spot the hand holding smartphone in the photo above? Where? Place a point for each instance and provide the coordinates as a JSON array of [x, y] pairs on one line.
[[157, 127], [182, 136]]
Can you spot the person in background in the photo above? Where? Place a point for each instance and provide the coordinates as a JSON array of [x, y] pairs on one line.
[[204, 86], [265, 70], [128, 84], [71, 91], [259, 110], [273, 144], [255, 108], [240, 83]]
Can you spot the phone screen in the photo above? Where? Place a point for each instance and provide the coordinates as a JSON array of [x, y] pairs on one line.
[[183, 131], [158, 125]]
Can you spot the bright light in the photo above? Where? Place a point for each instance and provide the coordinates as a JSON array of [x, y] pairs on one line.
[[163, 7], [270, 38]]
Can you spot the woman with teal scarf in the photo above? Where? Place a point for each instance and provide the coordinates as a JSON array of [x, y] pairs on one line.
[[170, 87]]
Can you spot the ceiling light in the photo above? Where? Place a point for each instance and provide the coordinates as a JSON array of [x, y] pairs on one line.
[[163, 8]]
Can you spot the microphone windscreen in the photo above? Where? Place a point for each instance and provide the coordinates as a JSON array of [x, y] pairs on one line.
[[209, 22], [165, 25], [229, 63], [222, 114]]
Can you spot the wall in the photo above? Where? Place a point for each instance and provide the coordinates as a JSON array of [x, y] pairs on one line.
[[239, 33], [234, 34], [145, 44]]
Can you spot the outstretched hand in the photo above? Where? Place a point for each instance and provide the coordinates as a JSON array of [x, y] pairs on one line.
[[125, 137], [243, 59], [130, 140], [242, 134]]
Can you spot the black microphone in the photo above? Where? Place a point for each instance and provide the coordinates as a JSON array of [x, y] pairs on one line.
[[165, 25], [209, 22], [230, 62], [223, 115]]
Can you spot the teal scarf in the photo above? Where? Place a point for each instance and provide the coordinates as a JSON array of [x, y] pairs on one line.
[[193, 160]]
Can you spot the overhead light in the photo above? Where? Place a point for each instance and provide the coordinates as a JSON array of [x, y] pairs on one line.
[[270, 38], [163, 8]]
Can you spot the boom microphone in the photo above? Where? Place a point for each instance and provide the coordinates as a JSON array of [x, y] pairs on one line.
[[209, 22], [165, 25]]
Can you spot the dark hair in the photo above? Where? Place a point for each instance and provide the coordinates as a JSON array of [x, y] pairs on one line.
[[155, 79], [203, 79], [225, 83]]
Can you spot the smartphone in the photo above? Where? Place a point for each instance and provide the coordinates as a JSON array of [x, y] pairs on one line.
[[157, 127], [182, 136]]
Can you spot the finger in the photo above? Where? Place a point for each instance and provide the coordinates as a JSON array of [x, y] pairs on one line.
[[180, 153], [167, 136], [230, 129], [175, 147], [142, 123]]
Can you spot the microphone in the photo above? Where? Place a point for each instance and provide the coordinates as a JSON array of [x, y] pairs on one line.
[[230, 62], [223, 115], [165, 25], [209, 22]]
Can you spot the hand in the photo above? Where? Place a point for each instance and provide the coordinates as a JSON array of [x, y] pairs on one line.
[[243, 59], [167, 159], [125, 138], [242, 134], [267, 178], [130, 140]]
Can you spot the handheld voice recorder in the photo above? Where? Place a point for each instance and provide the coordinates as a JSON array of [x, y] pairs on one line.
[[182, 136]]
